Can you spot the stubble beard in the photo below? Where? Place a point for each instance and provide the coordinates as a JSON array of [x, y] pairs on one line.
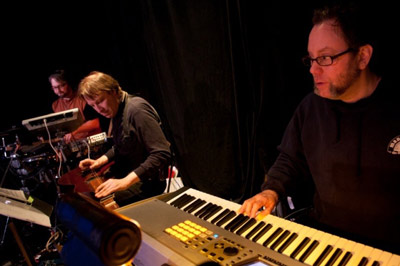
[[345, 80]]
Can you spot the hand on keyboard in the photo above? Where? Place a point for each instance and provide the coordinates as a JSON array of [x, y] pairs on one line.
[[266, 199]]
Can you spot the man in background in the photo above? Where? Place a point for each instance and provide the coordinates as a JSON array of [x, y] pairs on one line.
[[68, 99]]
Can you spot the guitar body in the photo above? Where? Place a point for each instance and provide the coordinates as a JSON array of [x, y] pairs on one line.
[[88, 181]]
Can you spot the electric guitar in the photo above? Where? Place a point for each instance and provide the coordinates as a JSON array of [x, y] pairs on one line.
[[88, 181]]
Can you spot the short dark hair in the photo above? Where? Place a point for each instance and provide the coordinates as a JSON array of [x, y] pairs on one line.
[[63, 75], [357, 25], [59, 75]]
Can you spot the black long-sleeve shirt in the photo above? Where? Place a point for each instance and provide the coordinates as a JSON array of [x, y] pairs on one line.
[[350, 153], [139, 142]]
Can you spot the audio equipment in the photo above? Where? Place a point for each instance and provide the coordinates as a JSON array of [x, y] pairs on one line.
[[190, 227], [67, 121]]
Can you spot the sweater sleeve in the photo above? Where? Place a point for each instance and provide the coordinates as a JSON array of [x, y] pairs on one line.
[[110, 154], [290, 170], [149, 132]]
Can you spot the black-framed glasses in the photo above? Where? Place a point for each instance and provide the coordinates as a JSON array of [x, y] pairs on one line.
[[325, 60], [59, 86]]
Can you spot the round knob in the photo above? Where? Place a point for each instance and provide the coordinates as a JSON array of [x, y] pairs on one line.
[[231, 251]]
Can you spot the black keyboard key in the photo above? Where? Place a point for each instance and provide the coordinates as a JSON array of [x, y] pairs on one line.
[[212, 211], [203, 210], [255, 229], [182, 201], [300, 247], [226, 219], [334, 257], [323, 255], [262, 232], [233, 222], [363, 262], [239, 223], [246, 226], [289, 241], [345, 258], [195, 206], [191, 205], [309, 250], [220, 216], [280, 239], [274, 235]]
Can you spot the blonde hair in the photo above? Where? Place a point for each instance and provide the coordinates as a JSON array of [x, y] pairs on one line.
[[97, 82]]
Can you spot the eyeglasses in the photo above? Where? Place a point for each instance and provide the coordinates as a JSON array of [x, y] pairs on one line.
[[325, 60], [59, 86]]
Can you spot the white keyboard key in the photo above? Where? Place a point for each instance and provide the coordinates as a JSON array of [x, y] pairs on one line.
[[359, 253], [394, 260]]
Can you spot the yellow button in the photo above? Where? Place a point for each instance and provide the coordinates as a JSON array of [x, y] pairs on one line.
[[203, 235]]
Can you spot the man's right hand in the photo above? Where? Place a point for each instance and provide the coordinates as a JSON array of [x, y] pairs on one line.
[[93, 164], [266, 199]]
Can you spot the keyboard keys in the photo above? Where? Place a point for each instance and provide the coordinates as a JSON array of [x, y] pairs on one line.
[[246, 226], [394, 260], [299, 243], [220, 216], [226, 218], [346, 254], [356, 255], [262, 232], [280, 239], [302, 243], [255, 229], [338, 250], [325, 247]]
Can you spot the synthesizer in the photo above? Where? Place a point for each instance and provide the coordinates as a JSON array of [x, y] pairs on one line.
[[190, 227], [69, 119]]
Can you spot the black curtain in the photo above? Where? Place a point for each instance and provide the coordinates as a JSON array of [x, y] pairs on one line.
[[224, 75], [218, 73]]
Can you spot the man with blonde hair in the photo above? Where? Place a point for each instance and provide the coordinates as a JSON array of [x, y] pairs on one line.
[[141, 151]]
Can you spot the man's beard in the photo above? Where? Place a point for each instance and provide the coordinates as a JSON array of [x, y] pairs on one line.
[[345, 80]]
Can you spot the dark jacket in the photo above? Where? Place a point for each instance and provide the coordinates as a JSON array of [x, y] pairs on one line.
[[350, 154]]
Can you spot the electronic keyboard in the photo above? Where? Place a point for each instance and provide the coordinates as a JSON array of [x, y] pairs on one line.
[[190, 227]]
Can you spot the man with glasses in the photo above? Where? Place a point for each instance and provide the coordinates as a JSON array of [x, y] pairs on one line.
[[341, 149], [68, 99]]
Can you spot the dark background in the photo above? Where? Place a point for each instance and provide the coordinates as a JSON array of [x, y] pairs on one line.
[[225, 76]]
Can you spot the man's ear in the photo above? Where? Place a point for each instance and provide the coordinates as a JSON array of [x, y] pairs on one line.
[[364, 54]]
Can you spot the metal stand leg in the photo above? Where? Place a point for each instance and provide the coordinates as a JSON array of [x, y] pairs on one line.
[[4, 232], [19, 242]]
